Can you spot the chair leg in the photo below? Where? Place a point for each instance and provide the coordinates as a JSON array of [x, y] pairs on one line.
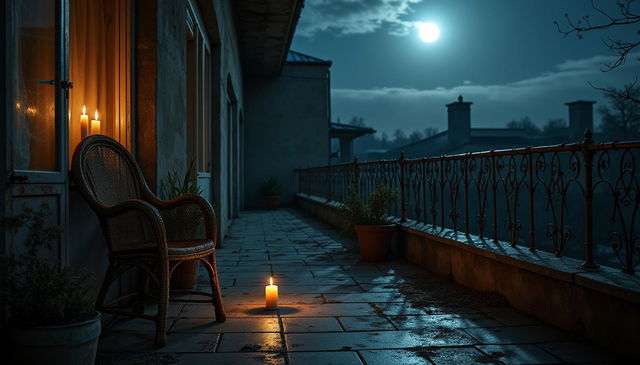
[[163, 304], [215, 289], [104, 288], [143, 292]]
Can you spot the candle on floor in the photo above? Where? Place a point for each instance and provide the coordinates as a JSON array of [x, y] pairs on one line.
[[95, 125], [271, 293], [84, 123]]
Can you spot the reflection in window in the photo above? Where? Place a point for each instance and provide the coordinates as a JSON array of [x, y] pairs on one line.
[[100, 69], [33, 139]]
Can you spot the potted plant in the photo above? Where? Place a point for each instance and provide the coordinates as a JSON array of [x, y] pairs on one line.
[[368, 219], [52, 318], [271, 191], [185, 276]]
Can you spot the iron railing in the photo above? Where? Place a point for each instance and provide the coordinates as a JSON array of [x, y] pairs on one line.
[[545, 197]]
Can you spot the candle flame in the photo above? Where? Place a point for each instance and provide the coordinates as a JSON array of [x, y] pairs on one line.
[[84, 110], [96, 115], [271, 280]]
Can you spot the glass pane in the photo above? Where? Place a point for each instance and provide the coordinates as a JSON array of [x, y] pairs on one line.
[[100, 69], [33, 71]]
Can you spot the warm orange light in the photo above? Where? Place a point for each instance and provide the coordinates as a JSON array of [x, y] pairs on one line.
[[84, 110], [271, 280], [271, 295], [96, 115]]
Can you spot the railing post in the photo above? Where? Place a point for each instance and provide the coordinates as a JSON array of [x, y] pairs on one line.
[[589, 261], [355, 180], [466, 195], [403, 212], [532, 229]]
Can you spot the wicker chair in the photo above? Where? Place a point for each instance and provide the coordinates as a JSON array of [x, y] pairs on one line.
[[143, 231]]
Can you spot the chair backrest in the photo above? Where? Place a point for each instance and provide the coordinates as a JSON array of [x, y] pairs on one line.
[[105, 172]]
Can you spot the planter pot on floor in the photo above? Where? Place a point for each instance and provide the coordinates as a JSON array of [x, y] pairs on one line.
[[65, 344], [185, 276], [375, 242], [272, 202]]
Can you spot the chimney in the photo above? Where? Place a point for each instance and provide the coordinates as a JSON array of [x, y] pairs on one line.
[[580, 118], [459, 115]]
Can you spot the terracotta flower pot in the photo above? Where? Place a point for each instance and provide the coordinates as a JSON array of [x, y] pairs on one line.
[[375, 241], [272, 202], [73, 343], [185, 275]]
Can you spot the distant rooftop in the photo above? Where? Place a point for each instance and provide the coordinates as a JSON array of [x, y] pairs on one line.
[[297, 57]]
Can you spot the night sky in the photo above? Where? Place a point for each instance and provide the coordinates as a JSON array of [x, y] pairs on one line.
[[506, 56]]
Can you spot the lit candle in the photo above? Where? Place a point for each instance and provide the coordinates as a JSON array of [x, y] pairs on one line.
[[84, 123], [95, 125], [271, 292]]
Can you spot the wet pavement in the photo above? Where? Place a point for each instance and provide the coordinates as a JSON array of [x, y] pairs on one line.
[[336, 310]]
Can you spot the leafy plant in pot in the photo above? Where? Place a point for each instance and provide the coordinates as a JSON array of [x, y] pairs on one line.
[[271, 191], [185, 275], [369, 221], [52, 318]]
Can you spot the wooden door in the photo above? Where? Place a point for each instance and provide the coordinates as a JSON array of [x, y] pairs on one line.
[[36, 128]]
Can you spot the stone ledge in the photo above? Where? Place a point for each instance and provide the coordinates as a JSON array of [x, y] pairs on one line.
[[607, 280]]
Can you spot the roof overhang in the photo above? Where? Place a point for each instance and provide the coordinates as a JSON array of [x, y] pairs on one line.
[[265, 29], [339, 130]]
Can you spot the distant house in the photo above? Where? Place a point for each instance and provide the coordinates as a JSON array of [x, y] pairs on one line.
[[342, 136], [460, 137]]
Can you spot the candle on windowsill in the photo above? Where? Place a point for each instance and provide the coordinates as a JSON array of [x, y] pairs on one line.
[[84, 123], [95, 125], [271, 294]]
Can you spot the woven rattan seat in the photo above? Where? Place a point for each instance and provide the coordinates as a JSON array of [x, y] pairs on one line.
[[182, 248], [143, 231]]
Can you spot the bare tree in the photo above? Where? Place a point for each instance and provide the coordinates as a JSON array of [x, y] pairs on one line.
[[624, 15], [430, 132], [526, 124], [554, 126], [621, 118]]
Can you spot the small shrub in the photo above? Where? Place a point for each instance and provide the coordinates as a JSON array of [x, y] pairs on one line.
[[41, 292], [372, 212], [271, 187], [173, 186]]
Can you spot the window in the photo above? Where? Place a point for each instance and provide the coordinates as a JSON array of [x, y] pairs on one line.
[[198, 97], [100, 69]]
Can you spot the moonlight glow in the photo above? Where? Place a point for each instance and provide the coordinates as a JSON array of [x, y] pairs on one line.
[[428, 32]]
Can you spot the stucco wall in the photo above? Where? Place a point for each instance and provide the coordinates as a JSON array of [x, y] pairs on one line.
[[287, 127]]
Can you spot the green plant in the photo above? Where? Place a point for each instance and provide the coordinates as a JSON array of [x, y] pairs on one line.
[[271, 187], [370, 212], [39, 291], [173, 186]]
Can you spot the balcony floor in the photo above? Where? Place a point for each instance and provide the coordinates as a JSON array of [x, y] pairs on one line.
[[336, 310]]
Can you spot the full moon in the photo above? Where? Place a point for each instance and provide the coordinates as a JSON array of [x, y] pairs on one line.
[[428, 32]]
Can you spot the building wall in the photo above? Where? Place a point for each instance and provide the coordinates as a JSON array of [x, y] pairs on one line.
[[287, 127], [228, 86]]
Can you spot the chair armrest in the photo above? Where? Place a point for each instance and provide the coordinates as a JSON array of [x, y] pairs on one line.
[[187, 217], [121, 227]]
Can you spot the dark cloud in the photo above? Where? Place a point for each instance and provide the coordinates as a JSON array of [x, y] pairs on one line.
[[355, 16]]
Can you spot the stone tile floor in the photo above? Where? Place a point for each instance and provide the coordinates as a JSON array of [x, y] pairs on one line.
[[333, 310]]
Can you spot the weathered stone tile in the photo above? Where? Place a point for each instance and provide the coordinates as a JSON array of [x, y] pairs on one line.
[[379, 288], [457, 356], [388, 357], [377, 279], [321, 324], [372, 340], [207, 311], [443, 320], [250, 342], [233, 359], [387, 297], [144, 341], [513, 318], [369, 323], [515, 335], [324, 358], [322, 289], [135, 324], [328, 309], [398, 309], [575, 352], [202, 325], [519, 354]]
